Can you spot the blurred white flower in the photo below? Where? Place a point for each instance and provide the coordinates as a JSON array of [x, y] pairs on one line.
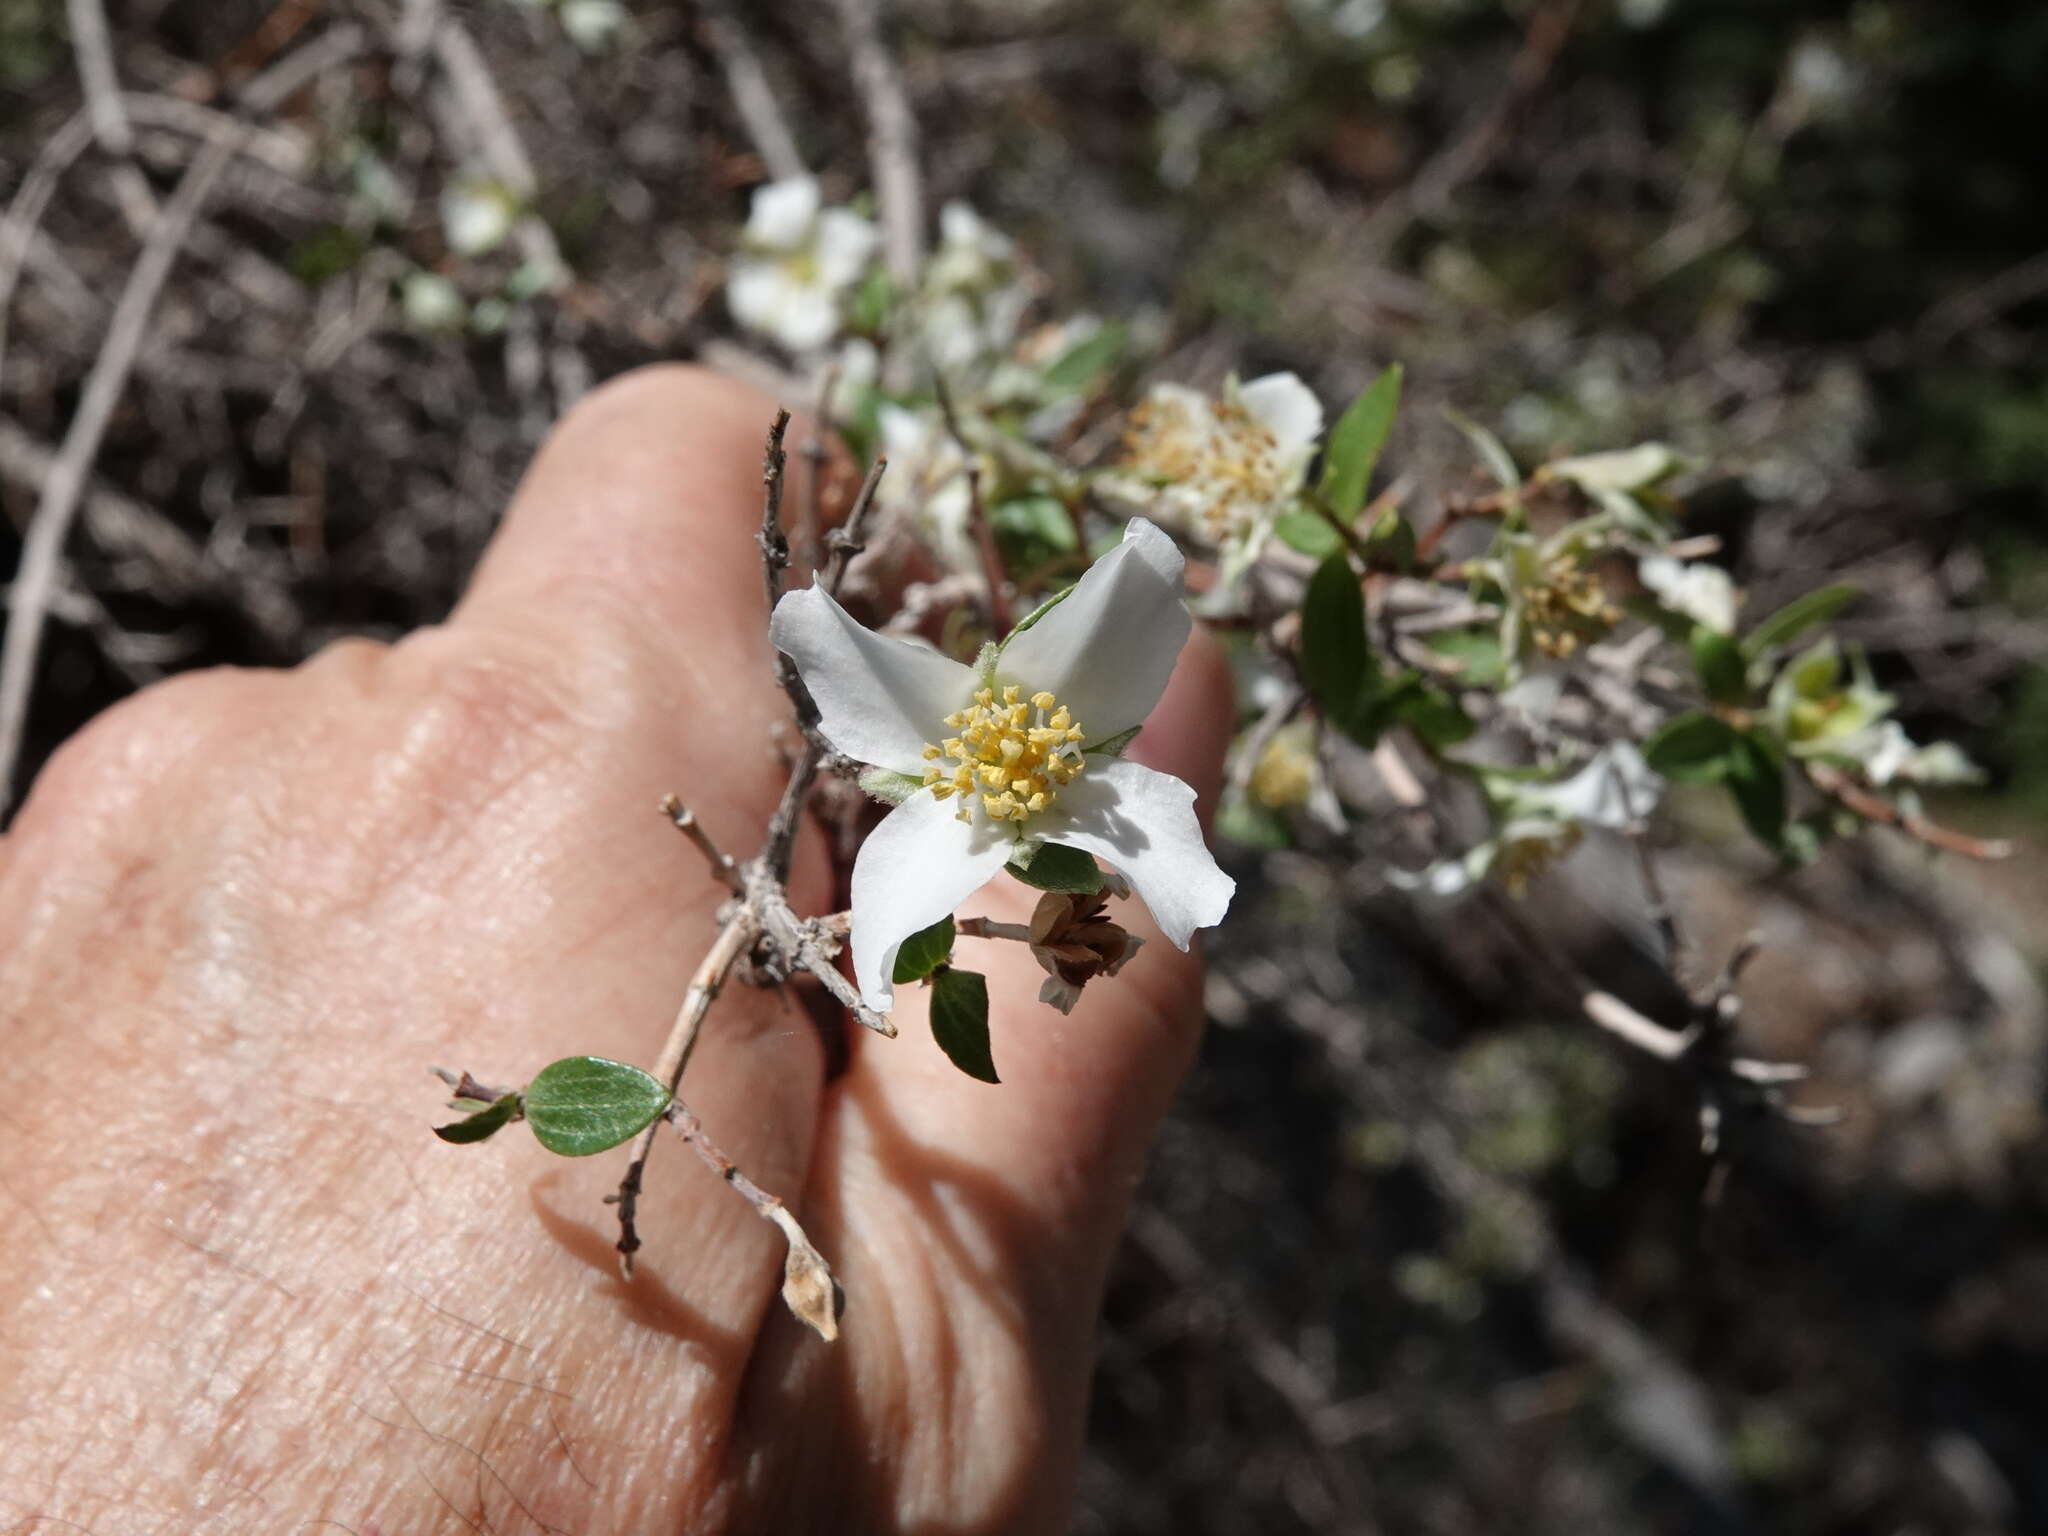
[[1220, 470], [972, 299], [1539, 823], [1694, 589], [476, 216], [1000, 758], [796, 263]]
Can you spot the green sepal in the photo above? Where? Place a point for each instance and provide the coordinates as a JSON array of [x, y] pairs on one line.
[[1056, 867], [585, 1104], [889, 786], [1113, 746], [924, 952], [960, 1021], [484, 1124], [991, 653]]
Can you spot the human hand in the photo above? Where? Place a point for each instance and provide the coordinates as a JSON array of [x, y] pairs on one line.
[[244, 1289]]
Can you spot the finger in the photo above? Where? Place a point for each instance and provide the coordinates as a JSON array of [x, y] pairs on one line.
[[1063, 1135]]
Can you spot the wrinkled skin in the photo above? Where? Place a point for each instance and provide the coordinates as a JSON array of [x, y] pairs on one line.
[[244, 1289]]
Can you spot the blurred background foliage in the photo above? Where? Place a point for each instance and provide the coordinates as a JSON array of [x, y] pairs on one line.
[[1420, 1251]]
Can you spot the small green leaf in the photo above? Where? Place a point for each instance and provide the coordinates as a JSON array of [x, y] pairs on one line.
[[1718, 661], [1435, 716], [1336, 663], [1499, 462], [1798, 616], [585, 1104], [1035, 519], [485, 1123], [1477, 652], [872, 301], [1056, 867], [1757, 782], [1085, 361], [924, 952], [960, 1021], [1307, 531], [1355, 444], [1695, 748], [1391, 540]]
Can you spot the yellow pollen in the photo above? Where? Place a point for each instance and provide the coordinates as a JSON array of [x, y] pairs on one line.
[[1013, 754]]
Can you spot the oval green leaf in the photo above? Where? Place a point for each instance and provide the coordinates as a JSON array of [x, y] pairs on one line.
[[585, 1104], [1718, 661], [960, 1021], [1336, 663], [924, 952], [1694, 748], [1056, 867]]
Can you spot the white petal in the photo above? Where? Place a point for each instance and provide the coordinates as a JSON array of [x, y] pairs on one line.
[[1288, 409], [914, 869], [782, 213], [1616, 789], [756, 292], [879, 699], [808, 318], [845, 242], [1143, 822], [1108, 648]]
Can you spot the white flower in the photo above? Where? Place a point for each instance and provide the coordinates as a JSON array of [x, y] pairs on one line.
[[1002, 757], [927, 480], [973, 302], [1221, 470], [798, 260], [1700, 592]]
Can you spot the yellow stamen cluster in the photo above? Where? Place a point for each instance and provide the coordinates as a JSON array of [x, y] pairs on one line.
[[1216, 452], [1568, 607], [1013, 755]]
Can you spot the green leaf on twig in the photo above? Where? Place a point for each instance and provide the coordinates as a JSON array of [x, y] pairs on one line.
[[482, 1125], [1355, 444], [1336, 663], [1797, 617], [1056, 867], [960, 1021], [924, 952], [585, 1104]]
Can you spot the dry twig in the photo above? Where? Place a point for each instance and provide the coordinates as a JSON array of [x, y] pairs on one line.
[[65, 486]]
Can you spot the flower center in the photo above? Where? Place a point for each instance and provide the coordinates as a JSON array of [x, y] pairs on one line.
[[1015, 755]]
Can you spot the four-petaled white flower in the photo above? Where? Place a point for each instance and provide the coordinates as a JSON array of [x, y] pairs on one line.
[[797, 260], [1004, 756], [1221, 470]]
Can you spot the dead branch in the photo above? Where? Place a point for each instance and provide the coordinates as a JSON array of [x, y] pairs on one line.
[[752, 97], [65, 486], [892, 138]]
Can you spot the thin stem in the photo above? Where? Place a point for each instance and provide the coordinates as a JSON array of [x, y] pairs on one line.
[[686, 822]]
